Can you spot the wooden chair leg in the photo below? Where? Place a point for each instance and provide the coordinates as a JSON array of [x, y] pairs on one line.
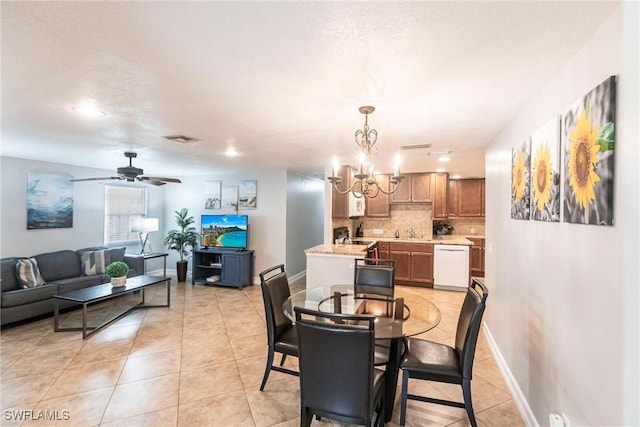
[[267, 369], [403, 397], [468, 404]]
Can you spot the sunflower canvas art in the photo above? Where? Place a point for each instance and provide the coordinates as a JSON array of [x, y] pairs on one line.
[[520, 181], [545, 172], [589, 141]]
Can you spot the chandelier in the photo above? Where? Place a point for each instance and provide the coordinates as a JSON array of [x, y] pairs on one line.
[[365, 184]]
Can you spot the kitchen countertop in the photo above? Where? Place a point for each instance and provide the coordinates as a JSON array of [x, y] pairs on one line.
[[440, 240], [355, 250]]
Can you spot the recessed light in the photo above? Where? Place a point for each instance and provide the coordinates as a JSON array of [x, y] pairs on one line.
[[231, 151], [443, 159], [88, 111], [440, 170]]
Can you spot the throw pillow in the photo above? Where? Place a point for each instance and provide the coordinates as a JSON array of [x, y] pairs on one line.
[[93, 262], [28, 273]]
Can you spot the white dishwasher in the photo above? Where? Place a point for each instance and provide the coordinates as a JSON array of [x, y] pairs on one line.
[[451, 267]]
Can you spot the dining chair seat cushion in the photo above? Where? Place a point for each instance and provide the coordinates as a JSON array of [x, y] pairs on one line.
[[430, 360], [287, 342]]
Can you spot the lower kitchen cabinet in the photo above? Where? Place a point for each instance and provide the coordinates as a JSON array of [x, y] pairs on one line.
[[476, 257], [414, 263]]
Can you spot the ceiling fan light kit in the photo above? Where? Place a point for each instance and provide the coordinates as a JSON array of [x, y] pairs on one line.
[[132, 174], [365, 183]]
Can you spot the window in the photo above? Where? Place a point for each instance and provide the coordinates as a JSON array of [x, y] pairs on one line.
[[121, 204]]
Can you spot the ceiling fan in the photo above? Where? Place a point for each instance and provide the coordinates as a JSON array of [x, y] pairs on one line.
[[131, 174]]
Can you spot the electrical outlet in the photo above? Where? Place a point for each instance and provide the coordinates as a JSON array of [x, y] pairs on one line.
[[379, 231]]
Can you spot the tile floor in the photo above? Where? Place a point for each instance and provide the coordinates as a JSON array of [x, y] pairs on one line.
[[198, 363]]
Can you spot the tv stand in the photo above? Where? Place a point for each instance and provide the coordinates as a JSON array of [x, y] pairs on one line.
[[222, 267]]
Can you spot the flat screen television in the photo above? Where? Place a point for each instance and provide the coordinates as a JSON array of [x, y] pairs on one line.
[[225, 231]]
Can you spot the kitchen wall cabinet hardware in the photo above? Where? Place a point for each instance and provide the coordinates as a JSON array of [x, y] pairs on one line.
[[467, 198], [414, 263], [476, 257], [222, 267], [378, 207]]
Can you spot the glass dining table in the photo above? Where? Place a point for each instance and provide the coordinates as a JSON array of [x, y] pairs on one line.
[[404, 316]]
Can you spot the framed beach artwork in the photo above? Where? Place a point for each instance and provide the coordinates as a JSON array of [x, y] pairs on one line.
[[248, 194], [49, 200], [520, 180], [545, 172], [230, 197], [213, 194], [589, 141]]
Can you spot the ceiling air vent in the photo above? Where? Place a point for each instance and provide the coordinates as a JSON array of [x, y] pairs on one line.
[[414, 147], [183, 139]]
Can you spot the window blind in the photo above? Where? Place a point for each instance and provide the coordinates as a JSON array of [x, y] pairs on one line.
[[121, 204]]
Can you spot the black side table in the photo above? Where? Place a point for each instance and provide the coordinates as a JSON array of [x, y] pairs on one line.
[[152, 255]]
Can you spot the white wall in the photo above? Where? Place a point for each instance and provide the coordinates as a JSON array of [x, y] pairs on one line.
[[305, 219], [88, 211], [267, 223], [563, 304]]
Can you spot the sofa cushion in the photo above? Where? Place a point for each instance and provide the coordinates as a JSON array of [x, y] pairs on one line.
[[94, 262], [8, 278], [27, 296], [28, 273], [58, 265], [117, 254], [73, 283]]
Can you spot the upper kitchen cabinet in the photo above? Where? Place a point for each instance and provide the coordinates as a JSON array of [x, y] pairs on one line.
[[466, 198], [440, 192], [344, 206], [415, 187], [378, 207]]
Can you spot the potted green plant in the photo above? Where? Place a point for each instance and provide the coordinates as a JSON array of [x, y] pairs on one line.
[[441, 228], [117, 272], [178, 240]]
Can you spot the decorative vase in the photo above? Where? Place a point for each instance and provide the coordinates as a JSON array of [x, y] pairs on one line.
[[117, 282]]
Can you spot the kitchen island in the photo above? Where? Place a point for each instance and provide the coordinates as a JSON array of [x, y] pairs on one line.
[[332, 264]]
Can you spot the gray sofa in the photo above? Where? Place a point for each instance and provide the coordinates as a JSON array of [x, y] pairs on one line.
[[62, 271]]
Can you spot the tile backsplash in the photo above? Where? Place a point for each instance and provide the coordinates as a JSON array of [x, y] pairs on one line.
[[418, 216]]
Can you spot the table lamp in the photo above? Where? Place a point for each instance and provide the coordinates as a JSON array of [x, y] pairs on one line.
[[144, 226]]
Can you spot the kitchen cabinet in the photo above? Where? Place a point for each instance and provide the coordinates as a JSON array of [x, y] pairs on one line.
[[414, 263], [466, 198], [416, 188], [383, 250], [476, 257], [340, 203], [379, 207], [440, 192], [224, 267]]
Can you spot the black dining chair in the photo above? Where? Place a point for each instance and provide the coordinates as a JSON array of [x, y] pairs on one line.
[[281, 333], [337, 377], [374, 276], [431, 361]]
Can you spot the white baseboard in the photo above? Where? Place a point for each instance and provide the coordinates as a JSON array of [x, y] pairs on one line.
[[518, 397], [297, 276]]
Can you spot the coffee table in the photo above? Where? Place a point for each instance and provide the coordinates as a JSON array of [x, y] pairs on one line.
[[98, 293]]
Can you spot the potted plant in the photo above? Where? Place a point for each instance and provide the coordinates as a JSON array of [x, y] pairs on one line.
[[441, 228], [117, 272], [182, 238]]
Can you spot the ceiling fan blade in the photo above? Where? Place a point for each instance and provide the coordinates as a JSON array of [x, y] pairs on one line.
[[97, 179], [154, 182], [159, 178]]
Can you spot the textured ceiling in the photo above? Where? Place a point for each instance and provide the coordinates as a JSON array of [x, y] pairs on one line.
[[281, 81]]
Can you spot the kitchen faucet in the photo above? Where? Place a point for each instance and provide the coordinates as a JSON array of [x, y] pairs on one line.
[[412, 232]]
